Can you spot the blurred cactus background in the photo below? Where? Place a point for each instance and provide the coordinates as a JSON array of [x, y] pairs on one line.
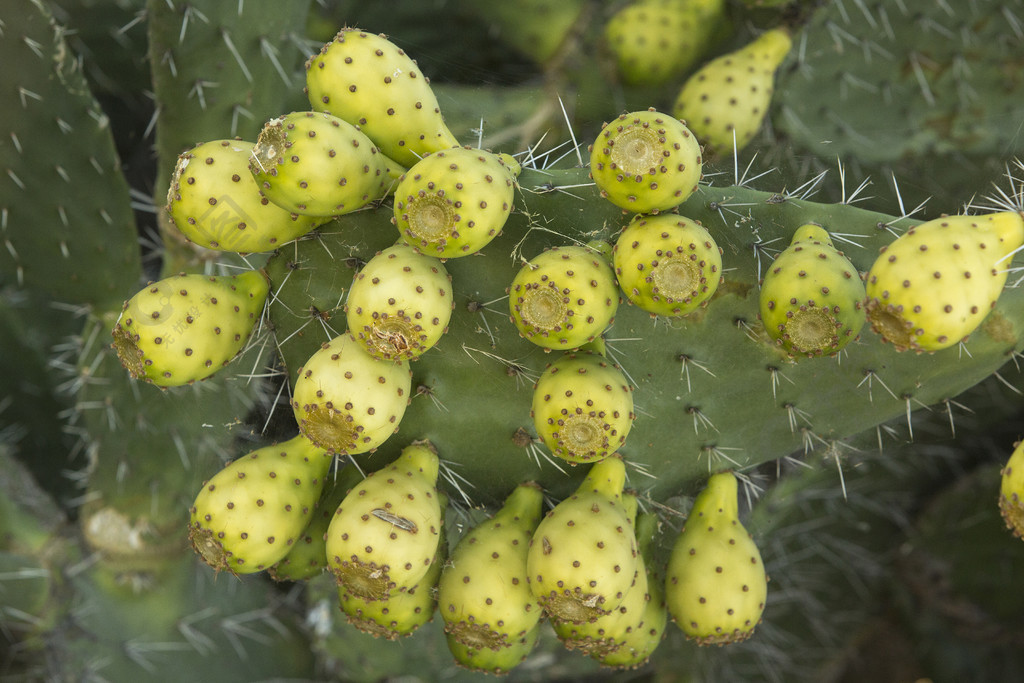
[[870, 478]]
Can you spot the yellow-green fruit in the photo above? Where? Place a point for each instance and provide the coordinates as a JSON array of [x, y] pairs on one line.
[[582, 408], [645, 162], [348, 402], [726, 100], [483, 595], [454, 202], [716, 584], [937, 282], [498, 662], [582, 560], [1011, 491], [214, 201], [384, 535], [812, 297], [667, 264], [249, 515], [370, 82], [186, 327]]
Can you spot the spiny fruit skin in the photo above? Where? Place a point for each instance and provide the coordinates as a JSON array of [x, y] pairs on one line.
[[564, 297], [646, 162], [498, 662], [582, 560], [399, 304], [934, 284], [582, 408], [214, 201], [727, 99], [384, 535], [716, 584], [1011, 491], [186, 327], [667, 265], [812, 297], [454, 202], [248, 516], [348, 402], [368, 81], [316, 164], [483, 595]]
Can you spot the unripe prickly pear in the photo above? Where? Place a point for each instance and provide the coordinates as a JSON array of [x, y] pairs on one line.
[[1011, 491], [667, 264], [385, 533], [312, 163], [186, 327], [812, 296], [483, 595], [249, 515], [214, 201], [934, 284], [645, 162], [399, 304], [582, 408], [487, 660], [368, 81], [583, 556], [726, 100], [454, 202], [564, 297], [716, 583], [348, 402]]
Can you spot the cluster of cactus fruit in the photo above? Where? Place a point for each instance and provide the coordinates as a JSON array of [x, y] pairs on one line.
[[573, 346]]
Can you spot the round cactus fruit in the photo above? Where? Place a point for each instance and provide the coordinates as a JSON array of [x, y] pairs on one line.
[[186, 327], [645, 162], [313, 163], [1011, 491], [454, 202], [564, 298], [716, 584], [934, 285], [348, 402], [726, 100], [483, 595], [498, 662], [812, 296], [214, 201], [582, 408], [582, 560], [249, 515], [667, 264], [399, 304], [368, 81], [385, 534]]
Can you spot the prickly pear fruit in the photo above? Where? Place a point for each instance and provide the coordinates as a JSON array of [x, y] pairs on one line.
[[716, 583], [249, 515], [564, 297], [454, 202], [583, 556], [1011, 491], [812, 296], [214, 201], [399, 304], [368, 81], [726, 100], [312, 163], [582, 408], [645, 162], [483, 595], [498, 662], [667, 264], [933, 285], [348, 402], [385, 533], [308, 556], [186, 327]]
